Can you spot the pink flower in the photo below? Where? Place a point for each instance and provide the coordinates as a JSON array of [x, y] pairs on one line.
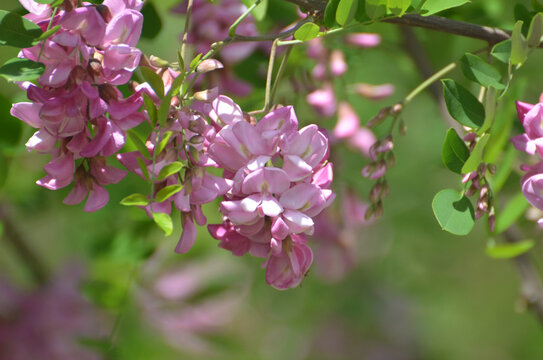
[[532, 184], [531, 141], [363, 40], [348, 121], [288, 269], [323, 100]]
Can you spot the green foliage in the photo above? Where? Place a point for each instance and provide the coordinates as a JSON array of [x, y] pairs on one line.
[[434, 6], [152, 24], [49, 32], [307, 32], [462, 105], [170, 169], [21, 70], [163, 142], [536, 30], [511, 213], [455, 152], [476, 156], [135, 200], [376, 9], [502, 51], [166, 192], [330, 13], [260, 11], [508, 250], [475, 69], [398, 7], [519, 50], [138, 143], [17, 31], [346, 11], [154, 80], [454, 212], [164, 222]]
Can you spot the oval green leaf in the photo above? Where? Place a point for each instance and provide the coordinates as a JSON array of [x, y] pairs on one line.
[[510, 214], [476, 157], [17, 31], [509, 250], [454, 212], [462, 105], [169, 170], [455, 152], [434, 6], [502, 51], [398, 7], [166, 192], [21, 70], [376, 9], [330, 13], [164, 221], [475, 69], [346, 11], [154, 80], [519, 51], [536, 30], [135, 200], [307, 32]]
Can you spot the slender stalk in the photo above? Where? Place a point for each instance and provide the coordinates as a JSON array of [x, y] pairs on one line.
[[426, 83], [269, 76], [280, 71], [48, 28], [186, 30], [233, 27]]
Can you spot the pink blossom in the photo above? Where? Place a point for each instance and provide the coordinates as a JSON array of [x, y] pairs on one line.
[[323, 100], [532, 140], [348, 122], [288, 269], [363, 40]]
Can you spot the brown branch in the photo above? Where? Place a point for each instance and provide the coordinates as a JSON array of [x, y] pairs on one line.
[[491, 35], [17, 241], [531, 287]]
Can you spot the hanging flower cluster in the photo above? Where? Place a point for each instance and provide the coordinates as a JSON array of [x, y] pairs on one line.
[[531, 142], [78, 111]]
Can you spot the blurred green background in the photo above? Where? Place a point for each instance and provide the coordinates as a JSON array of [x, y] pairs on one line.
[[416, 292]]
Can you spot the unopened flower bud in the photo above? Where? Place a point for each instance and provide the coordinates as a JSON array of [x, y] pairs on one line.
[[492, 169], [374, 92], [402, 129], [390, 159], [482, 205], [158, 62], [379, 209], [363, 40], [375, 193], [385, 189], [471, 190], [95, 69], [338, 66], [207, 95], [470, 137], [492, 220], [478, 213], [209, 65], [104, 11], [197, 139], [108, 92], [369, 212], [379, 118], [194, 154], [78, 74]]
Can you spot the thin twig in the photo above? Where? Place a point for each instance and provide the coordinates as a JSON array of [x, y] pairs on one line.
[[12, 235], [186, 30]]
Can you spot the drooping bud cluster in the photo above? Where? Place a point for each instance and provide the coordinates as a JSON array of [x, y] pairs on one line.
[[209, 23], [531, 117], [80, 115]]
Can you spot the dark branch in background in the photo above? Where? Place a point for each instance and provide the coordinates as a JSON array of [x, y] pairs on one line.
[[532, 289], [489, 34], [12, 235]]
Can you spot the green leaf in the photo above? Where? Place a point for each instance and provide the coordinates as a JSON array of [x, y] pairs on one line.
[[154, 80], [330, 13], [361, 15], [490, 110], [307, 32], [195, 61], [164, 221], [479, 71], [536, 30], [138, 143], [346, 11], [502, 51], [434, 6], [455, 152], [462, 105], [510, 214], [152, 24], [454, 212], [164, 109], [17, 31], [376, 9], [151, 108], [398, 7], [45, 2], [143, 168], [162, 144], [166, 192], [21, 70], [519, 51], [177, 83], [170, 169], [49, 32], [259, 13], [508, 250], [135, 200], [476, 157]]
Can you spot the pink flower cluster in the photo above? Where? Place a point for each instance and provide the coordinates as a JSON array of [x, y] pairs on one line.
[[531, 142], [275, 180], [80, 115], [210, 22]]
